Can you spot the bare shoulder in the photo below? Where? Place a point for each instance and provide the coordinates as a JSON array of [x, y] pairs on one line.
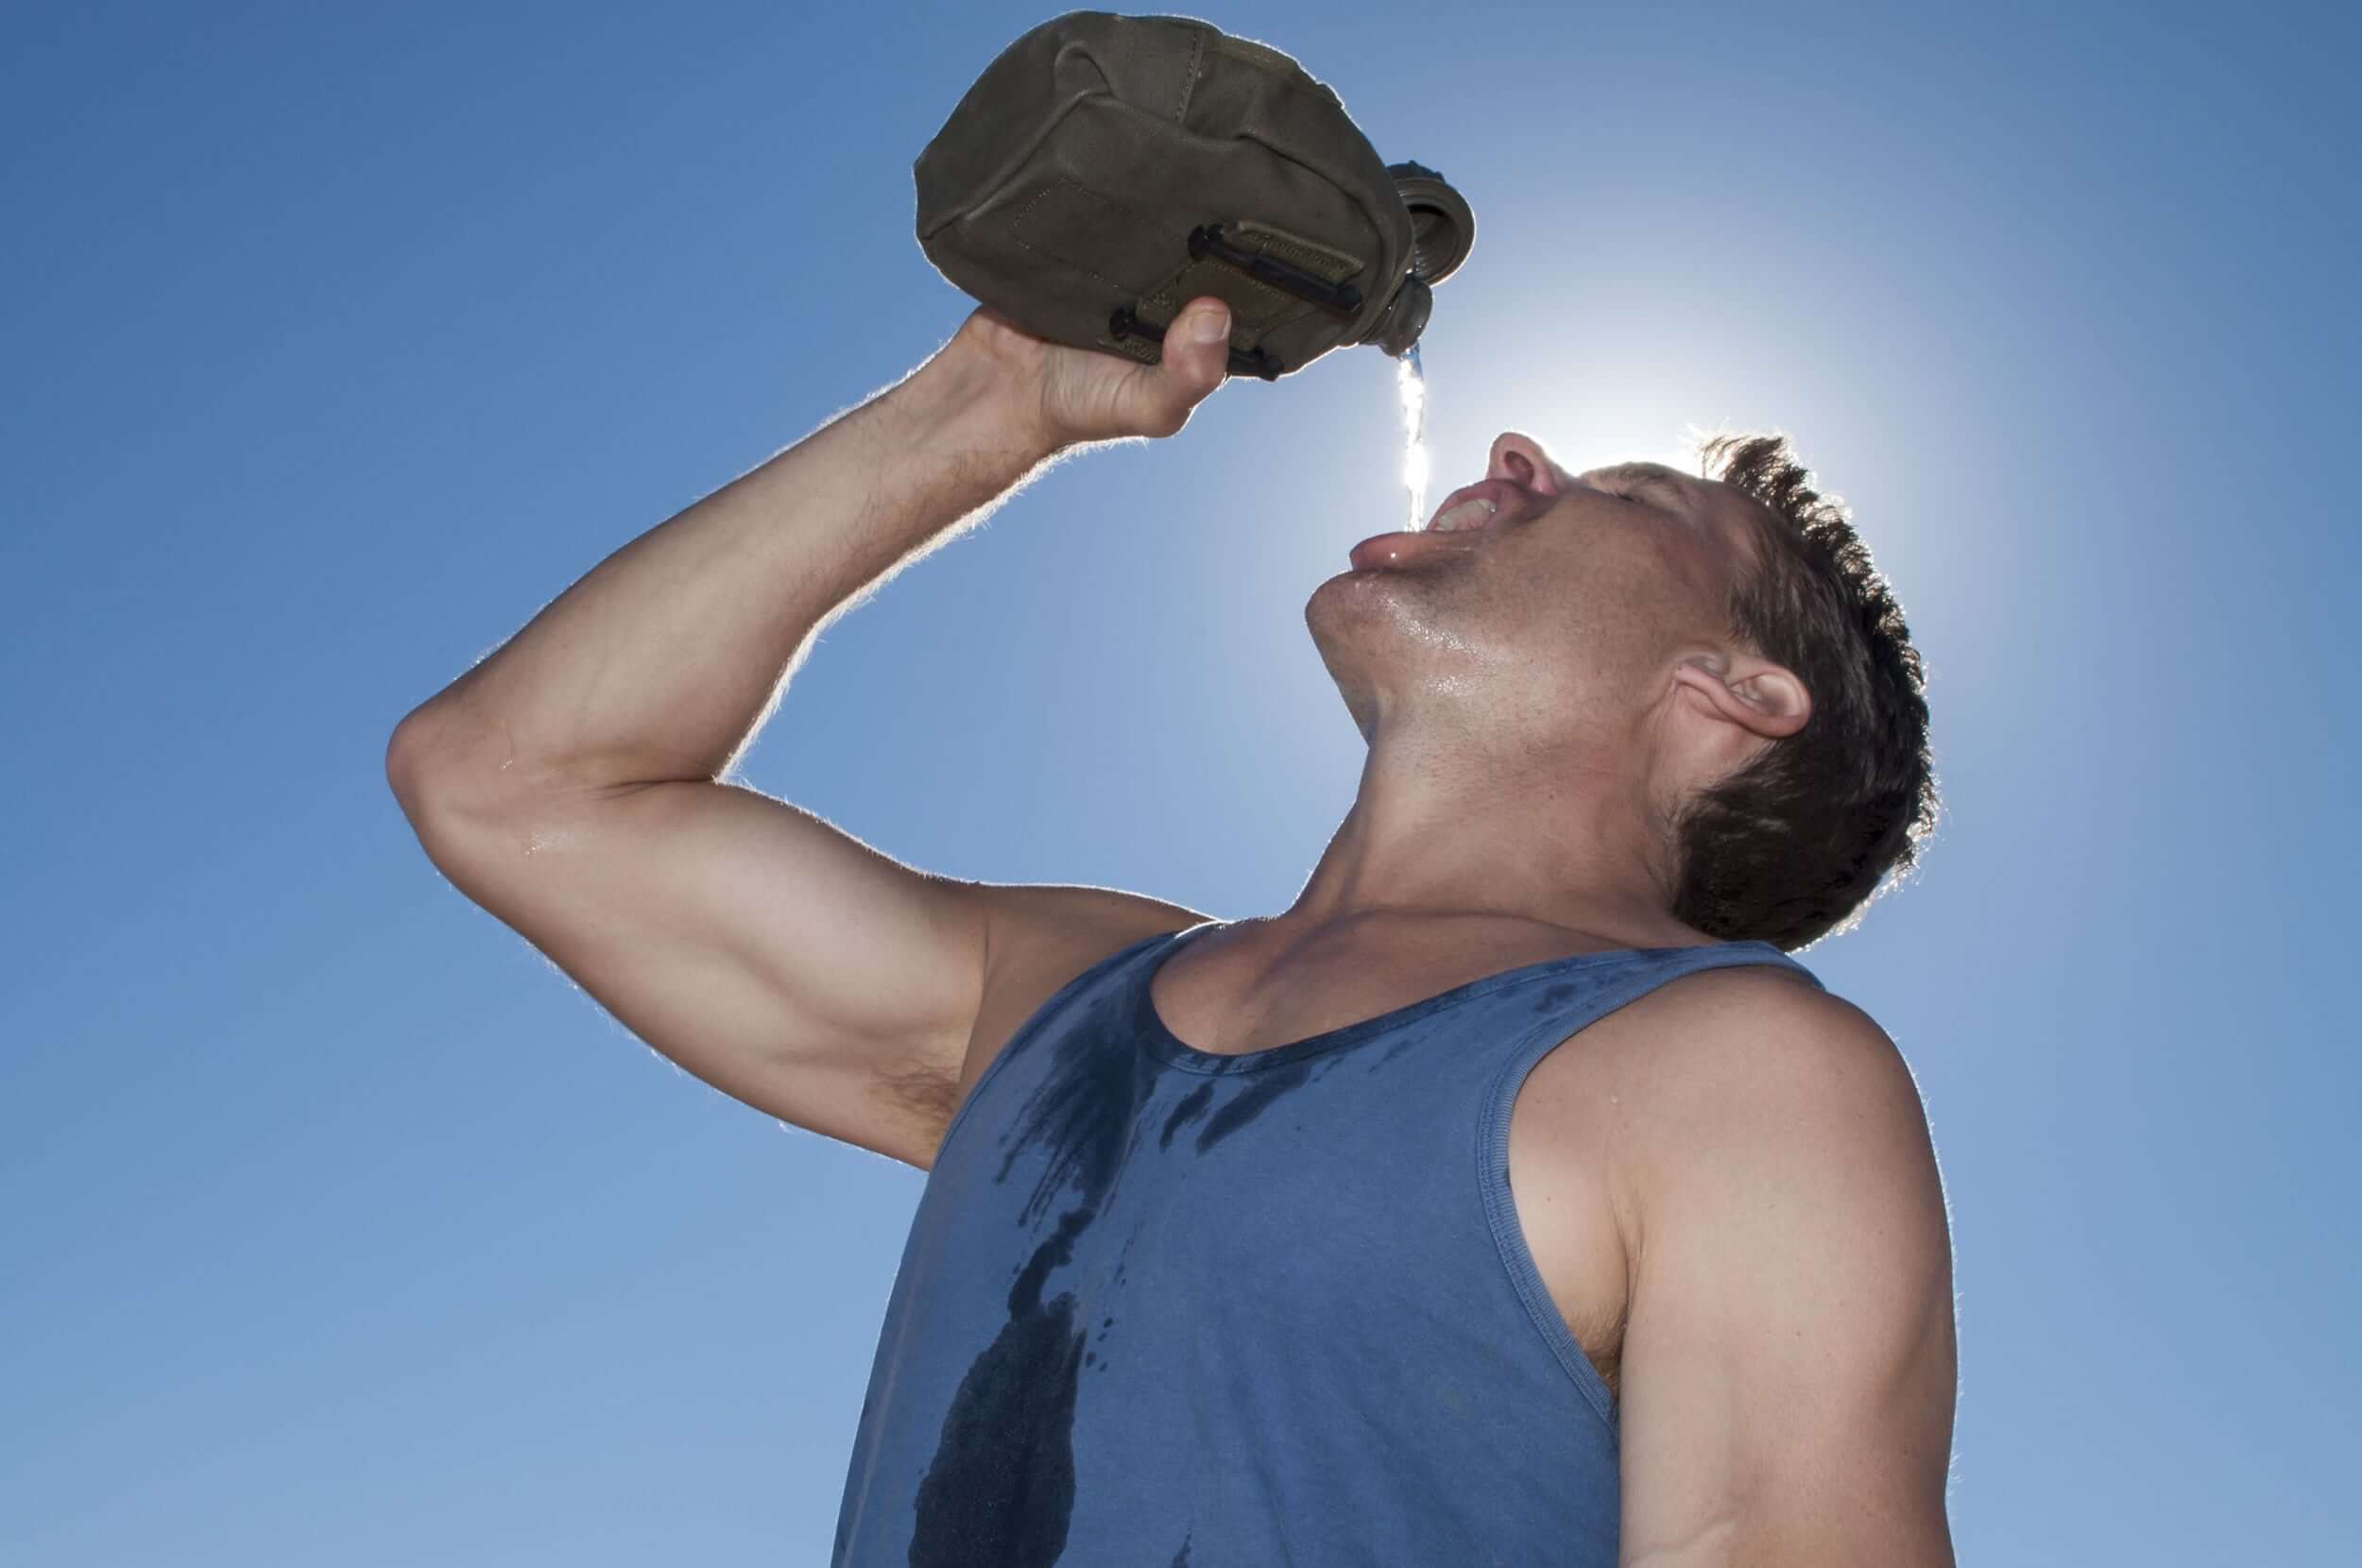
[[1754, 1019], [1757, 1058], [1040, 936]]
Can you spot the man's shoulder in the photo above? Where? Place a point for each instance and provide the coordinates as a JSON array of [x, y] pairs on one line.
[[1697, 1024], [1763, 1023], [1757, 1057], [1738, 1007]]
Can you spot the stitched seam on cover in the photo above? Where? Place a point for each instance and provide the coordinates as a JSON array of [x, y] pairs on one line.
[[1189, 83]]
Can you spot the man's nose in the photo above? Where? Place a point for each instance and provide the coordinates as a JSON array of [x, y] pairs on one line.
[[1519, 458]]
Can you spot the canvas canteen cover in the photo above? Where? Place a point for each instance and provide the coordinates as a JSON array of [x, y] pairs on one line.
[[1106, 170]]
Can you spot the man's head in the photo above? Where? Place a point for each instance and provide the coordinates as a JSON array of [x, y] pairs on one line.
[[1716, 648]]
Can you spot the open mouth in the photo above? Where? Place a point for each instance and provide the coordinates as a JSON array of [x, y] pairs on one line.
[[1470, 509], [1477, 506], [1456, 517]]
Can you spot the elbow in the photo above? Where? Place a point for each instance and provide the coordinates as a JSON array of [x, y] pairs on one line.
[[429, 765], [413, 760], [402, 764]]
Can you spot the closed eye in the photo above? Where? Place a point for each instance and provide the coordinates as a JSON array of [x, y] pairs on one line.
[[1657, 494]]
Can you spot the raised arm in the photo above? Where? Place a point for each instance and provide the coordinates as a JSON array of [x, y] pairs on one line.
[[573, 782]]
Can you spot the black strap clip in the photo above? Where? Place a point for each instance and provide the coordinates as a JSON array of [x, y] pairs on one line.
[[1207, 240], [1243, 362]]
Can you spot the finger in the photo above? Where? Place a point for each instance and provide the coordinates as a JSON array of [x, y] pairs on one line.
[[1197, 350]]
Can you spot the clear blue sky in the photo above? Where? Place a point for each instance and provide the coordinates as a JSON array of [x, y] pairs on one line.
[[340, 1227]]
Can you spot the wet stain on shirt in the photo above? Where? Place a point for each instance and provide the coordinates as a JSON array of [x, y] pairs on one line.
[[1244, 1108], [1191, 1107], [1395, 1050], [1555, 996], [999, 1492], [1000, 1489]]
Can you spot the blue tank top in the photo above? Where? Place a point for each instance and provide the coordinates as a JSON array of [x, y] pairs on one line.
[[1161, 1306]]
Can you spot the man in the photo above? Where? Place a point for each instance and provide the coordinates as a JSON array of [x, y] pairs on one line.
[[1511, 1197]]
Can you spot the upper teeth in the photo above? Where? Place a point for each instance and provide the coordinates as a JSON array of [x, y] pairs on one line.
[[1471, 513]]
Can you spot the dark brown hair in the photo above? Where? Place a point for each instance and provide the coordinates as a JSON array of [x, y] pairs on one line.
[[1791, 847]]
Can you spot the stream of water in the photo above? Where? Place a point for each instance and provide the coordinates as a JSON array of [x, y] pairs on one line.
[[1410, 384]]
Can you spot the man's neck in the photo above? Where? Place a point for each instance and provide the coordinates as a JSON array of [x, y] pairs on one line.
[[1461, 838]]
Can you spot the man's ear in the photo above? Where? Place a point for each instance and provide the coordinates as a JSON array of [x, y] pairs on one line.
[[1761, 697]]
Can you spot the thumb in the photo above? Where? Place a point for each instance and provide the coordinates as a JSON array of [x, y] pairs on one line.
[[1197, 351]]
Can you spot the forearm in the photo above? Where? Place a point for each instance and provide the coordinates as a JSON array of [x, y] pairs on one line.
[[664, 660]]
